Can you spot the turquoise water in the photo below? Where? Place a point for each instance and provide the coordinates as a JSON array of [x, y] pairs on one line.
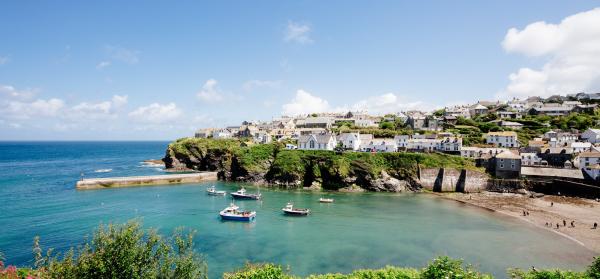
[[37, 197]]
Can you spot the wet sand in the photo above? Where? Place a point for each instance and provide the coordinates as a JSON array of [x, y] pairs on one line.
[[583, 211]]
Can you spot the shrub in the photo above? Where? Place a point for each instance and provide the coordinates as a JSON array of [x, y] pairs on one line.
[[258, 271], [446, 267], [127, 251]]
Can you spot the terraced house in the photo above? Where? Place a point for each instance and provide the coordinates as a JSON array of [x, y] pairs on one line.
[[502, 139]]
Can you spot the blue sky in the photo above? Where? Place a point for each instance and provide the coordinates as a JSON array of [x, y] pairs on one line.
[[146, 70]]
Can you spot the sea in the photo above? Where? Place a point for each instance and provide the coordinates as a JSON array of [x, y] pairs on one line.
[[359, 230]]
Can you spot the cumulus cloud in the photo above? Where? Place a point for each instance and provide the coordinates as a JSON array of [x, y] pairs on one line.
[[102, 65], [389, 103], [27, 110], [156, 113], [209, 92], [96, 111], [572, 51], [254, 84], [306, 103], [297, 33], [122, 54]]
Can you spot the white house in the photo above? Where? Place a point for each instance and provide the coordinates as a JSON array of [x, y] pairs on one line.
[[262, 138], [579, 147], [402, 140], [423, 144], [588, 162], [450, 144], [530, 159], [290, 146], [222, 134], [317, 142], [365, 123], [502, 139], [591, 136], [350, 141], [479, 152], [379, 145]]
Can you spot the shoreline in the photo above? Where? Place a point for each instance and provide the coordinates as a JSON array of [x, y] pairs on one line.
[[582, 211]]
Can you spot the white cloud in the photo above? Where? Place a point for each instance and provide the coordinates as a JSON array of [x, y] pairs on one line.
[[253, 84], [305, 103], [27, 110], [210, 93], [572, 50], [156, 113], [122, 54], [102, 65], [298, 33], [4, 60], [96, 111], [389, 103], [13, 93]]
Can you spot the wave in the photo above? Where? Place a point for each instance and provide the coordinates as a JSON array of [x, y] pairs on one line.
[[103, 170]]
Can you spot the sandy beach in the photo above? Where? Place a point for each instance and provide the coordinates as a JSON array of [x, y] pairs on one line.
[[547, 209]]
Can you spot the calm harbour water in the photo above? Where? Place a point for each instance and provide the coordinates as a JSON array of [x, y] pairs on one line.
[[37, 197]]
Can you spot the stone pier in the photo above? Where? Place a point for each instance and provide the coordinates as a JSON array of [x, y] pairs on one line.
[[116, 182]]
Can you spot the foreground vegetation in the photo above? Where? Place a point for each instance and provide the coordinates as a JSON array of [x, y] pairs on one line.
[[237, 160], [128, 251]]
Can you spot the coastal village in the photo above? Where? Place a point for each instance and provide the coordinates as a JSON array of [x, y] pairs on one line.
[[520, 138]]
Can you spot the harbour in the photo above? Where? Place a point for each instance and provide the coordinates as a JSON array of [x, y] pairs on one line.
[[166, 179]]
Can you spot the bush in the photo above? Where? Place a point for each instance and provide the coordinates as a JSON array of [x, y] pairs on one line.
[[258, 271], [446, 267], [127, 251]]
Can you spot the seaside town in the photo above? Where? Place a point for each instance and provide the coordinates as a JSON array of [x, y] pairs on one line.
[[535, 137]]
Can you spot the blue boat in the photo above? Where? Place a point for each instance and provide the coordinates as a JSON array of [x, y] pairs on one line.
[[232, 213], [242, 195]]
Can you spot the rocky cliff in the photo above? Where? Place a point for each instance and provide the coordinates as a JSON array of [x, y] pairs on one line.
[[271, 164]]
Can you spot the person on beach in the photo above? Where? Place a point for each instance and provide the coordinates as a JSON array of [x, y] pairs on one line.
[[546, 224], [551, 204], [524, 213], [595, 225], [564, 223], [572, 224], [527, 213], [557, 226]]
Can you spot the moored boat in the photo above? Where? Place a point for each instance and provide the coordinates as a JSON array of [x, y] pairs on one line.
[[212, 191], [232, 213], [290, 210], [325, 200], [242, 195]]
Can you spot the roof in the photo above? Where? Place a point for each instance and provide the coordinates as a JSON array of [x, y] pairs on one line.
[[503, 134], [317, 120], [559, 108], [589, 154], [321, 138], [345, 136], [479, 106], [558, 150], [510, 123], [552, 172], [508, 155]]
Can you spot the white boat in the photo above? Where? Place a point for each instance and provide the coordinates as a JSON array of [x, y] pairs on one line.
[[214, 192], [290, 210], [242, 195], [232, 213], [325, 200]]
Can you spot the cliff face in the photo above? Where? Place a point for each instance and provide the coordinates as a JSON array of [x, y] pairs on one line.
[[273, 165]]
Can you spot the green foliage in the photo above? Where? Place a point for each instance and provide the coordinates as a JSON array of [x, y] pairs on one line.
[[594, 269], [446, 267], [258, 271], [387, 125], [127, 251], [546, 274]]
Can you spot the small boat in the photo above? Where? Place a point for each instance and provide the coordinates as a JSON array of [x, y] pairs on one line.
[[242, 195], [290, 210], [211, 191], [232, 213], [325, 200]]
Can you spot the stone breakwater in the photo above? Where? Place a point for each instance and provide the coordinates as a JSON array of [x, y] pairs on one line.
[[116, 182]]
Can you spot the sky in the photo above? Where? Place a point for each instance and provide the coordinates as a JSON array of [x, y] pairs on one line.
[[159, 70]]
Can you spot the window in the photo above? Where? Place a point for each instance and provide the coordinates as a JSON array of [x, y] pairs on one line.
[[312, 144], [501, 166]]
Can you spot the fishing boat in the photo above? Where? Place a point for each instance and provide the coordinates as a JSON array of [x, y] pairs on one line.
[[290, 210], [233, 213], [242, 195], [211, 191], [325, 200]]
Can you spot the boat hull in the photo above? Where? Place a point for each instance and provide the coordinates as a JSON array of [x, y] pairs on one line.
[[237, 218], [245, 197], [296, 213], [216, 193]]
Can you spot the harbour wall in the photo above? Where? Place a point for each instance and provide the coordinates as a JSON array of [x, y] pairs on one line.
[[116, 182], [452, 180]]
